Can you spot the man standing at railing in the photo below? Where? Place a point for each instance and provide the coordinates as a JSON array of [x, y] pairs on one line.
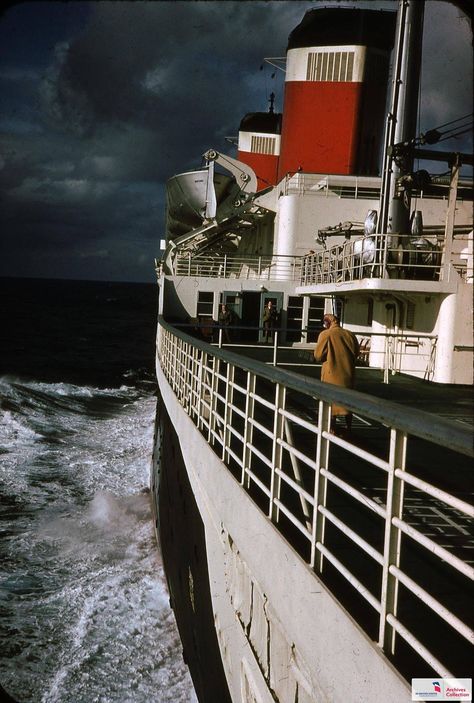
[[337, 349]]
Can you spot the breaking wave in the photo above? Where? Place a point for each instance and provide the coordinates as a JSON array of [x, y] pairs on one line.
[[84, 612]]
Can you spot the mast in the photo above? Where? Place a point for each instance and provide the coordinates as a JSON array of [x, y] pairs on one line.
[[402, 117]]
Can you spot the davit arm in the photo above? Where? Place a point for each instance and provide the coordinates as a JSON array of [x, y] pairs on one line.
[[244, 175]]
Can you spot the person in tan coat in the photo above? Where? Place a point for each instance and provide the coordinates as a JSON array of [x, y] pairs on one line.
[[337, 349]]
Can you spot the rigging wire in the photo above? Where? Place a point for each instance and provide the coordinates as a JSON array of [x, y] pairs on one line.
[[456, 134], [464, 117], [459, 126], [434, 136], [268, 94], [263, 68]]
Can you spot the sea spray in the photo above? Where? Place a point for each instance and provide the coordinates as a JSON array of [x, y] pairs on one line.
[[84, 606]]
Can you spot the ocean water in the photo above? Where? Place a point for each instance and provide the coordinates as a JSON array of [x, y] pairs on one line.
[[84, 610]]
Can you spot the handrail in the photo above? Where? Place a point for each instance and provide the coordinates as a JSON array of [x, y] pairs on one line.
[[424, 425], [379, 256], [271, 430], [391, 358], [276, 267]]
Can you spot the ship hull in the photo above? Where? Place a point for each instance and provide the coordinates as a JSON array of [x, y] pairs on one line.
[[281, 635], [181, 534]]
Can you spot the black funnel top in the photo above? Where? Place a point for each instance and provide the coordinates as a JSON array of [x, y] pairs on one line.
[[331, 26], [266, 122]]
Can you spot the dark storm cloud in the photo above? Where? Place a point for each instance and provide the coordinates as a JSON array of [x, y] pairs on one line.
[[141, 61], [173, 69], [102, 102], [447, 69], [136, 94]]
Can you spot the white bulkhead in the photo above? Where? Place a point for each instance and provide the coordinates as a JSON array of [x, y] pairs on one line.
[[326, 63]]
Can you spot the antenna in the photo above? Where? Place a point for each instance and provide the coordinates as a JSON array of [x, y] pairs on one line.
[[271, 101], [278, 62]]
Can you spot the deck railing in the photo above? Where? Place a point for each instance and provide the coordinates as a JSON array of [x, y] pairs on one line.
[[361, 187], [325, 185], [378, 256], [262, 268], [391, 352], [384, 511]]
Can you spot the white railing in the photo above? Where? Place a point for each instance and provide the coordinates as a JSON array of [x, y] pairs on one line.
[[360, 187], [391, 352], [353, 187], [372, 257], [403, 353], [347, 505], [264, 268], [378, 256]]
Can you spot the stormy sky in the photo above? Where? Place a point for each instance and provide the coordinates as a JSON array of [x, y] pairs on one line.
[[101, 102]]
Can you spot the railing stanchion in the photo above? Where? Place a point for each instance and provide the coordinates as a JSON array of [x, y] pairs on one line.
[[386, 358], [200, 391], [229, 396], [275, 481], [248, 429], [213, 399], [392, 539], [320, 484]]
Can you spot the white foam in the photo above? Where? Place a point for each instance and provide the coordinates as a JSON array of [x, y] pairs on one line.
[[15, 431], [95, 624]]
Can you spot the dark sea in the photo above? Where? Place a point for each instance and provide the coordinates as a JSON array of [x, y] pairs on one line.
[[84, 610]]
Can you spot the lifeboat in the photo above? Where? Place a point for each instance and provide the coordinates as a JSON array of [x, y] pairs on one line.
[[186, 195]]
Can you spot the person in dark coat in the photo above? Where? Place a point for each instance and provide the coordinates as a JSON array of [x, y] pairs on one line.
[[269, 320], [225, 319], [337, 349]]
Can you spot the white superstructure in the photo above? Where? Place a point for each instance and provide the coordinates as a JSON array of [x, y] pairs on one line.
[[325, 568]]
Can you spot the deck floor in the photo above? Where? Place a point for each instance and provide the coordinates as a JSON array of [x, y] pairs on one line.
[[443, 400], [454, 402]]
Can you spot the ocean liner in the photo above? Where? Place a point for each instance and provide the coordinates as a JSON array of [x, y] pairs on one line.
[[305, 565]]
